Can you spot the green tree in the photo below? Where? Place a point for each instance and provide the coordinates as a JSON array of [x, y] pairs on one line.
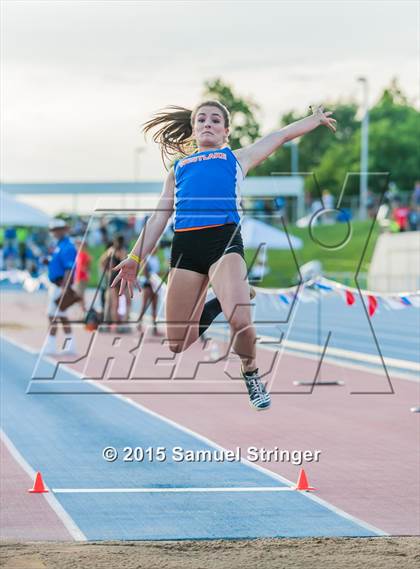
[[394, 127], [312, 146], [244, 126], [393, 140], [394, 137]]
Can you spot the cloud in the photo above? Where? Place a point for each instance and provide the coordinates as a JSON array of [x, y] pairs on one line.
[[80, 77]]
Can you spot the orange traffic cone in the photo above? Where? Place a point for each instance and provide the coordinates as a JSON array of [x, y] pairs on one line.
[[38, 485], [302, 483]]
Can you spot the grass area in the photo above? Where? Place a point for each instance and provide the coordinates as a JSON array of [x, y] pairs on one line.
[[283, 270]]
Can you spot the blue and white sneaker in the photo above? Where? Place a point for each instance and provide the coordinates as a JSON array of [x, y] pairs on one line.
[[258, 396]]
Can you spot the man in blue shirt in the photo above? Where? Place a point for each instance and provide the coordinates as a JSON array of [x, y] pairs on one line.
[[60, 273]]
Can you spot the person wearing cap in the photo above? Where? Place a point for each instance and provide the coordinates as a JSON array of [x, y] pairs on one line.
[[60, 273]]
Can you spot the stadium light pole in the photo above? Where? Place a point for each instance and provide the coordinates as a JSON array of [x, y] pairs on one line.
[[364, 150], [294, 157], [294, 169]]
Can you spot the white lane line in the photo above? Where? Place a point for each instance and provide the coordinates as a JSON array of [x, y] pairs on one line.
[[18, 344], [165, 490], [354, 332], [368, 358], [209, 442], [313, 353], [68, 523]]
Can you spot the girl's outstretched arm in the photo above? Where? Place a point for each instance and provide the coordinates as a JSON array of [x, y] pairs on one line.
[[252, 155], [148, 238]]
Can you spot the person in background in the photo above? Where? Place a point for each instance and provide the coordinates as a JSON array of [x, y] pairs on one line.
[[150, 295], [10, 251], [328, 203], [400, 214], [116, 309], [81, 273], [103, 229], [60, 274], [259, 206], [269, 208], [10, 236], [10, 256], [24, 252], [280, 212], [415, 207], [413, 220], [27, 257]]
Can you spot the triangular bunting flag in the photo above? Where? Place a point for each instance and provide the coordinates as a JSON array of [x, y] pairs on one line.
[[350, 298], [373, 304]]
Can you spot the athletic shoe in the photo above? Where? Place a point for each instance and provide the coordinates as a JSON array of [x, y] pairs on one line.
[[258, 396]]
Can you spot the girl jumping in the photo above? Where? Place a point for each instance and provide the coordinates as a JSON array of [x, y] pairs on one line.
[[203, 189]]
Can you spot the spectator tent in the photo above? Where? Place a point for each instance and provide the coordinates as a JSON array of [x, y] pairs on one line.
[[14, 212]]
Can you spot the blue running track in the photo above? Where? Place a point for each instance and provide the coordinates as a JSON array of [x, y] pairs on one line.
[[63, 437]]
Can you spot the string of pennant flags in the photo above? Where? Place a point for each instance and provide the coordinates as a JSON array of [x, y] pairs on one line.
[[309, 291], [391, 301]]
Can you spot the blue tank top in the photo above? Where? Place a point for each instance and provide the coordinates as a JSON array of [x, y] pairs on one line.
[[207, 190]]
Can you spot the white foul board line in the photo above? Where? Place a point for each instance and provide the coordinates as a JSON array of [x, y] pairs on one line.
[[162, 490]]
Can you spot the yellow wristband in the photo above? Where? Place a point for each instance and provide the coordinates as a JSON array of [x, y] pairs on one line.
[[135, 258]]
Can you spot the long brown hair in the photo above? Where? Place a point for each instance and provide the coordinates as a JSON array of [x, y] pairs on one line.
[[174, 128]]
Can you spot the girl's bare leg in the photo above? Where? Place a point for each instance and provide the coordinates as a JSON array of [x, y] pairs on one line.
[[228, 276], [185, 297]]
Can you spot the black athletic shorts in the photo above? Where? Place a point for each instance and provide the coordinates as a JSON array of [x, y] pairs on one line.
[[198, 249]]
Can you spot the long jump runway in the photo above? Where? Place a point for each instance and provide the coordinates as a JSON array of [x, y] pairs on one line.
[[63, 436]]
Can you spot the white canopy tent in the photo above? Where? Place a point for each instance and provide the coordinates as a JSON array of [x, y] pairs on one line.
[[14, 212], [256, 233]]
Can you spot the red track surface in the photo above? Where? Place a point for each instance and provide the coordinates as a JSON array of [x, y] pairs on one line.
[[369, 447], [25, 516]]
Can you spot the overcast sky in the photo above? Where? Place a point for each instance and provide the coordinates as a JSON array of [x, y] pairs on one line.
[[78, 78]]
